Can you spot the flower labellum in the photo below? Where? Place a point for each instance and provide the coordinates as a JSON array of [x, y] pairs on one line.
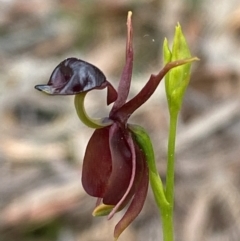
[[73, 76]]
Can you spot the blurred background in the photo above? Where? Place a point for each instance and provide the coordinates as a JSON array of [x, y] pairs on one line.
[[42, 142]]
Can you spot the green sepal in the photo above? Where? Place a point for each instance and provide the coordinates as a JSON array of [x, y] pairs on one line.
[[167, 55]]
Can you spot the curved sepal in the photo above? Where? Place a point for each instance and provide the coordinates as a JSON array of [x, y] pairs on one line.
[[137, 202]]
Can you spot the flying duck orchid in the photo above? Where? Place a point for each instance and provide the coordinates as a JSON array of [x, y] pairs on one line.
[[115, 168]]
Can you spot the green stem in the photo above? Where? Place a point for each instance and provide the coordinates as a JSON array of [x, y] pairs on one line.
[[167, 224], [167, 213], [171, 159]]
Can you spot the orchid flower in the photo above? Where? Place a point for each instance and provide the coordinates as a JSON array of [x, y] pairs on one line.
[[115, 169]]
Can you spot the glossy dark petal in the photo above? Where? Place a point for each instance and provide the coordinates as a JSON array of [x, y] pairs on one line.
[[137, 203], [121, 166], [74, 76], [97, 164], [139, 163]]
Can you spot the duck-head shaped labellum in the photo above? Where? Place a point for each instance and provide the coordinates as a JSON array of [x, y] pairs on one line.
[[73, 76]]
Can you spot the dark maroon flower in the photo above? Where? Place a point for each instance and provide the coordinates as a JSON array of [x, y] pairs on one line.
[[114, 166]]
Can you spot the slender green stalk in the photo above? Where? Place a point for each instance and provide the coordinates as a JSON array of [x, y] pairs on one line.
[[167, 224], [167, 213], [171, 159]]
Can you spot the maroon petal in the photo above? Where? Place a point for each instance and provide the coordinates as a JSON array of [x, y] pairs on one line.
[[97, 164], [137, 172], [121, 166], [137, 203], [125, 81], [111, 94]]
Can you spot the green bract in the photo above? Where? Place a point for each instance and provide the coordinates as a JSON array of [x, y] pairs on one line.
[[177, 79]]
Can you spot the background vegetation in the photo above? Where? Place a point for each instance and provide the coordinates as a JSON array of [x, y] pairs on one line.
[[42, 142]]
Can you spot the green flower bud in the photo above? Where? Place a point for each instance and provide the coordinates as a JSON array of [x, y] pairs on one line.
[[177, 79]]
